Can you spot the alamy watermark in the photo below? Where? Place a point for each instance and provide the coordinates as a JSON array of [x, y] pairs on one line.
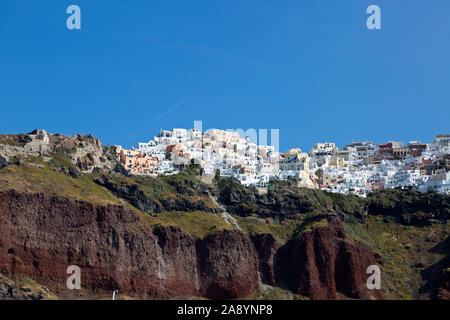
[[74, 20], [374, 281], [374, 20], [256, 136], [74, 280], [257, 141]]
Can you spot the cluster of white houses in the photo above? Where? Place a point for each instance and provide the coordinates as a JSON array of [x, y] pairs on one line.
[[358, 168]]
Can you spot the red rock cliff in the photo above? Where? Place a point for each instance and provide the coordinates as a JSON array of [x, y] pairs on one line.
[[40, 235], [324, 264]]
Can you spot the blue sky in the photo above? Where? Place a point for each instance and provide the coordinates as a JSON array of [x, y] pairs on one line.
[[308, 68]]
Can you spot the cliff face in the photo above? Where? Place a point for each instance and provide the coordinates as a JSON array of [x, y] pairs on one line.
[[443, 282], [323, 264], [41, 235], [285, 201], [266, 247], [228, 265], [85, 153], [137, 197], [141, 253]]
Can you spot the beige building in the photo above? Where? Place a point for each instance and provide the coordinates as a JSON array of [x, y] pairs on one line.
[[336, 161], [291, 153], [40, 142], [136, 162]]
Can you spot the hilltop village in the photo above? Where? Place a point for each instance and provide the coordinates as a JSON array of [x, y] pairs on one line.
[[358, 168]]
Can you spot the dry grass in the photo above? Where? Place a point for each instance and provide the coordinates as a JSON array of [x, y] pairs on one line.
[[34, 179], [197, 224]]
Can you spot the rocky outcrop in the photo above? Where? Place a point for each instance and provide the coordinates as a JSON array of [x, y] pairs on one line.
[[266, 246], [443, 282], [8, 292], [324, 264], [439, 274], [283, 201], [135, 195], [84, 152], [132, 193], [187, 205], [410, 207], [3, 162], [245, 202], [189, 187], [228, 266], [41, 235]]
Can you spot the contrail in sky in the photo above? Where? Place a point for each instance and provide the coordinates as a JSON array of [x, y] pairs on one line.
[[212, 79], [189, 96]]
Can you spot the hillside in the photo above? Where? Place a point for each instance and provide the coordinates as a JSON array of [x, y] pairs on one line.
[[65, 200]]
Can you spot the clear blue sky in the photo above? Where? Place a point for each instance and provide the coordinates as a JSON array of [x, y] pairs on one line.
[[309, 68]]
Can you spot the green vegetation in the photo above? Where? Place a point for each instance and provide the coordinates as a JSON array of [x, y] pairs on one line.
[[183, 186], [16, 140], [35, 175], [254, 225], [305, 199], [198, 224], [286, 198], [280, 183], [402, 249], [44, 179], [28, 287], [350, 203], [397, 202], [165, 186], [61, 160], [284, 230], [311, 222], [273, 293]]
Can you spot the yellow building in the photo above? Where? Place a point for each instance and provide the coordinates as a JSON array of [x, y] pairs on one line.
[[335, 161], [292, 153]]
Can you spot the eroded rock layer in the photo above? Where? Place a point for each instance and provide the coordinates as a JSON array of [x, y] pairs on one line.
[[41, 235]]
